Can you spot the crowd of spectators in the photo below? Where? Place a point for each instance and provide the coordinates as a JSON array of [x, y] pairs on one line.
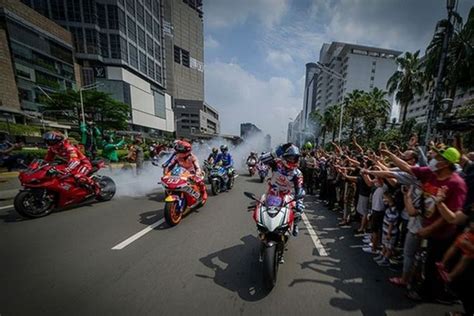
[[414, 209]]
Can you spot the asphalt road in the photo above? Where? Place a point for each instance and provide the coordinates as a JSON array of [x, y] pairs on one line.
[[64, 264]]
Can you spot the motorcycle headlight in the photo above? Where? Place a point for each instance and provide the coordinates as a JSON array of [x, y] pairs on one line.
[[262, 228]]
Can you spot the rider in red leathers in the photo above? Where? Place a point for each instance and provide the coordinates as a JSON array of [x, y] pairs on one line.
[[186, 159], [77, 163]]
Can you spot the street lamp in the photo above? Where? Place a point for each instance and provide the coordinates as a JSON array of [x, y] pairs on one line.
[[340, 77], [88, 87]]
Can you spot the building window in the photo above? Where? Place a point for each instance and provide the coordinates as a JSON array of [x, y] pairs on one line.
[[185, 58], [148, 4], [121, 21], [133, 55], [123, 49], [158, 76], [91, 41], [141, 38], [156, 9], [132, 29], [88, 76], [131, 7], [160, 105], [113, 16], [157, 52], [114, 46], [149, 45], [151, 68], [140, 13], [372, 78], [143, 63], [78, 39], [177, 54], [101, 15], [88, 11], [41, 7], [374, 63], [73, 10], [373, 71], [156, 31], [149, 22], [58, 11], [104, 45]]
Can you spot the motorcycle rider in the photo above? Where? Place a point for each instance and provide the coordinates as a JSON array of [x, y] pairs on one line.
[[252, 156], [213, 155], [227, 162], [186, 159], [286, 176], [78, 165]]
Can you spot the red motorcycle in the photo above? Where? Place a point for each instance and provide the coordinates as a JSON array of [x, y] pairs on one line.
[[182, 194], [47, 187]]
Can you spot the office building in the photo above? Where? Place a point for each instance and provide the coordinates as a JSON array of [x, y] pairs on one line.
[[196, 119], [355, 67], [184, 49], [119, 45], [248, 130], [36, 58]]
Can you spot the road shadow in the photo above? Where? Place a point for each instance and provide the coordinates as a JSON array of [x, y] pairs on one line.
[[158, 196], [11, 216], [354, 273], [236, 269], [254, 180]]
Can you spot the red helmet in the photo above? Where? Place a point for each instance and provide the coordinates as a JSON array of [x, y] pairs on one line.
[[182, 147], [53, 138]]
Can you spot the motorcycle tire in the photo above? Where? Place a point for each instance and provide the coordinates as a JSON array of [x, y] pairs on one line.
[[172, 216], [230, 183], [262, 179], [215, 187], [270, 266], [25, 211], [107, 188]]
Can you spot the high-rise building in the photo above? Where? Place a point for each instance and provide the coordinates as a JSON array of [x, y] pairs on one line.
[[119, 44], [196, 119], [249, 130], [184, 47], [361, 67], [36, 58]]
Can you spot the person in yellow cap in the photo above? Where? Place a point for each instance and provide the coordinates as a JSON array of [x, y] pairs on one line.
[[442, 187]]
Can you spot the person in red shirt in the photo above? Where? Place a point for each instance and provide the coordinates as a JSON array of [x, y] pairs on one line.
[[439, 175], [77, 163]]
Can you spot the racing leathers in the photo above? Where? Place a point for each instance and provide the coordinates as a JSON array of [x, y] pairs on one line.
[[189, 162], [285, 181], [227, 162], [77, 163]]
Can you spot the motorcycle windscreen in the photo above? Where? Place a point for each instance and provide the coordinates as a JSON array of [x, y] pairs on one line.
[[177, 171], [273, 217], [273, 200]]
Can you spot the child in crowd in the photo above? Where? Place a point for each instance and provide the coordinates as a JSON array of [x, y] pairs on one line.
[[465, 243], [389, 230]]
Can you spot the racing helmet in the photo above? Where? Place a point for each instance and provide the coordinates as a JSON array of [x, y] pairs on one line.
[[215, 150], [182, 147], [224, 148], [291, 156], [53, 138]]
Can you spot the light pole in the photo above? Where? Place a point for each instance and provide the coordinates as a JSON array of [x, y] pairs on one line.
[[340, 77], [88, 87], [438, 90]]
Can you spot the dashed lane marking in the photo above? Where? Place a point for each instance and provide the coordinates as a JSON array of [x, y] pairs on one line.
[[314, 237], [138, 235]]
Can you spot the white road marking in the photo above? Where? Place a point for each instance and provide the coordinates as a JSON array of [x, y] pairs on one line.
[[138, 235], [317, 243], [5, 207]]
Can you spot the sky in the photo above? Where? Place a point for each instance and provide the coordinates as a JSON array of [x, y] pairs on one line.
[[256, 50]]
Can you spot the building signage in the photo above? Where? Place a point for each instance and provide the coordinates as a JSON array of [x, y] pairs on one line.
[[196, 64]]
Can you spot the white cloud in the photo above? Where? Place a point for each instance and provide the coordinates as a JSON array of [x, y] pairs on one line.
[[227, 13], [279, 59], [210, 42], [241, 97]]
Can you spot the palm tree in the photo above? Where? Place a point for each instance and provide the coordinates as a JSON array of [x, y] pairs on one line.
[[353, 102], [376, 110], [407, 80]]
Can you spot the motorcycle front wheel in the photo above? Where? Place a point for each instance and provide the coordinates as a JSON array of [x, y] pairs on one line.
[[215, 187], [262, 179], [31, 204], [172, 214], [270, 266]]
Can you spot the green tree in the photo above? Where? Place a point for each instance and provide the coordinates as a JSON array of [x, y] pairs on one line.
[[407, 80], [107, 112]]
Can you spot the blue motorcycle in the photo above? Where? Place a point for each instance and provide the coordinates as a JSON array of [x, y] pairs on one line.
[[221, 179]]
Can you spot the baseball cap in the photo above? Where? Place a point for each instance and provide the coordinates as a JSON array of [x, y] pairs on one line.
[[451, 154]]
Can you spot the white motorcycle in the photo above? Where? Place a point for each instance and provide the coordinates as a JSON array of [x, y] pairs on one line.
[[275, 217]]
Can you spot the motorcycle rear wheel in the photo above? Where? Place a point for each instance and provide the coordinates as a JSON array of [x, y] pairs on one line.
[[107, 188], [29, 205], [172, 216], [270, 266]]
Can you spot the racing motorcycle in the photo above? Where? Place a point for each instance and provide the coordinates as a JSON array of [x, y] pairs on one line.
[[262, 171], [221, 179], [47, 186], [274, 216], [251, 163], [182, 194]]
